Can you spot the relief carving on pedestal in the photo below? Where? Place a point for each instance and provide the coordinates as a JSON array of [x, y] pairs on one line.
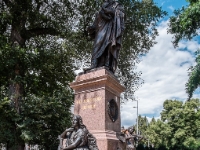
[[113, 110]]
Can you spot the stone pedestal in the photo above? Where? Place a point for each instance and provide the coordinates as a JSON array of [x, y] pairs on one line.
[[93, 92]]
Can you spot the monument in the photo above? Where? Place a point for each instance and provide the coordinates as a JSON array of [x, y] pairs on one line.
[[97, 90]]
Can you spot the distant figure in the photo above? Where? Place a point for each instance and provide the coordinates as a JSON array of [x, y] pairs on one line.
[[77, 137], [107, 31]]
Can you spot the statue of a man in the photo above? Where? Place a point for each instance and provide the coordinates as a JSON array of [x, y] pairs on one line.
[[107, 31]]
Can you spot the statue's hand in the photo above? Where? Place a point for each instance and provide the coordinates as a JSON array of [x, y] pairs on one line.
[[61, 147], [69, 129]]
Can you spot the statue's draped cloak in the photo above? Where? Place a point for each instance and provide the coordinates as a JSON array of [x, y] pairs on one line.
[[82, 135], [109, 33]]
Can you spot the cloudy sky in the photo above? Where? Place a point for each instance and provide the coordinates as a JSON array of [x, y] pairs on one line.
[[164, 71]]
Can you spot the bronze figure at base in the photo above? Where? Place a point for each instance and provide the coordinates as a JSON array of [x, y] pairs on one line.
[[77, 137], [128, 137]]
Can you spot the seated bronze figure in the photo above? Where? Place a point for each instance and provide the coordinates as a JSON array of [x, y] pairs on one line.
[[77, 137]]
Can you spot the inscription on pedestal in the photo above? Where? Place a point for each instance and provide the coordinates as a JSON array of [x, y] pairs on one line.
[[88, 103]]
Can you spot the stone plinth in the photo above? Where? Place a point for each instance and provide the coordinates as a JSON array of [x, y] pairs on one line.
[[93, 91]]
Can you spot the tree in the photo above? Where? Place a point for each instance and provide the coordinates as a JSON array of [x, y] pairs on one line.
[[142, 127], [36, 68], [193, 81], [178, 127], [42, 43], [142, 124], [183, 119], [185, 25], [158, 133]]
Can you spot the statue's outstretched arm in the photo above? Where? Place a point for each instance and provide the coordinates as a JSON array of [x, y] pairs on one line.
[[74, 145]]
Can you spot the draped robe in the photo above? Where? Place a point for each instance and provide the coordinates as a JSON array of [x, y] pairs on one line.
[[107, 36]]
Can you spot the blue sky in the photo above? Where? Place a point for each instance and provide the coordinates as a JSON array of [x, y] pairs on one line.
[[164, 71], [170, 5]]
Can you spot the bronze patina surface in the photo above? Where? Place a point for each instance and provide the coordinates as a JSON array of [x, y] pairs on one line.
[[129, 138], [77, 137], [107, 31]]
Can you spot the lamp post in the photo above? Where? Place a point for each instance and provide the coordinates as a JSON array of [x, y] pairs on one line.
[[137, 114]]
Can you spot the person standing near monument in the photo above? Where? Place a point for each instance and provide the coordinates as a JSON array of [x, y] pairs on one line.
[[107, 31]]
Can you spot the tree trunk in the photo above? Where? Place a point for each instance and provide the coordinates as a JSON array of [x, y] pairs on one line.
[[16, 147], [16, 88], [21, 147]]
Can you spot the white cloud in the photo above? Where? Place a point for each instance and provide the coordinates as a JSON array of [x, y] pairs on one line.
[[191, 46], [165, 73], [171, 8]]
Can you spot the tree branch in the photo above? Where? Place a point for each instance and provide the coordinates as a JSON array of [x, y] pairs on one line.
[[7, 2], [40, 31]]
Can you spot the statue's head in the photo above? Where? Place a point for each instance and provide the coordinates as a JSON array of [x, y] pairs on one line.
[[131, 129], [77, 121]]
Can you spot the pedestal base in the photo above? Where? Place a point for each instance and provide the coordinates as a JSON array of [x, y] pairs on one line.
[[97, 100], [107, 140]]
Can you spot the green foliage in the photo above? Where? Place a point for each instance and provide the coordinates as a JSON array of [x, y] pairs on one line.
[[46, 115], [193, 81], [179, 125], [142, 124], [142, 128], [7, 124], [185, 25], [69, 21], [158, 133], [40, 121], [43, 67], [42, 44]]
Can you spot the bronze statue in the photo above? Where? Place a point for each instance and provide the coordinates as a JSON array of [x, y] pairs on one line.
[[107, 31], [77, 137], [128, 137], [131, 138]]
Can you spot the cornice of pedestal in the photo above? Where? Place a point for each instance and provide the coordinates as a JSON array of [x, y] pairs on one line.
[[96, 79]]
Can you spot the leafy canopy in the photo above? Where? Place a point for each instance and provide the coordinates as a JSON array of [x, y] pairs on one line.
[[185, 24], [42, 44], [179, 127]]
